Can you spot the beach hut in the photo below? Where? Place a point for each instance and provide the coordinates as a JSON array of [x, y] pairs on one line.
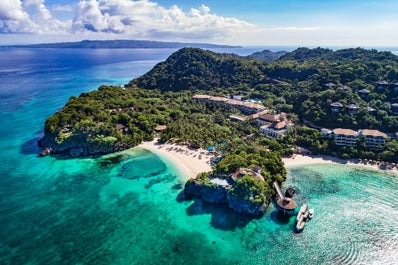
[[286, 205]]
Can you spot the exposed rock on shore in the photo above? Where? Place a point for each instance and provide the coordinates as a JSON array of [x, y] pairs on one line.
[[77, 146], [214, 193]]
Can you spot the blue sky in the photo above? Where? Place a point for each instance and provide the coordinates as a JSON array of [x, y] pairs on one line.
[[258, 22]]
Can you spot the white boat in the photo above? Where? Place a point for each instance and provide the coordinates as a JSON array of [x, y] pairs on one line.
[[311, 213]]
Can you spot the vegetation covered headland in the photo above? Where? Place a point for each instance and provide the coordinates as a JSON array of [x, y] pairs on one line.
[[250, 110]]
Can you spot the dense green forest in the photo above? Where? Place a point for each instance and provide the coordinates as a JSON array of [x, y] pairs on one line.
[[113, 118], [295, 83]]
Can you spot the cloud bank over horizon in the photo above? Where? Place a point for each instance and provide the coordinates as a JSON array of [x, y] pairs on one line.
[[124, 18], [286, 23]]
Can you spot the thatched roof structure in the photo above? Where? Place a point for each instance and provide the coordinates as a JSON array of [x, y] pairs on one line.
[[286, 204]]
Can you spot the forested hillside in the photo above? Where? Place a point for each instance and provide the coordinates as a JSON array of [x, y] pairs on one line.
[[196, 69], [113, 118], [295, 83]]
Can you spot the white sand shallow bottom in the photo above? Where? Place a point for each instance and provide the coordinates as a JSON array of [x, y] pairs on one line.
[[300, 160], [190, 162]]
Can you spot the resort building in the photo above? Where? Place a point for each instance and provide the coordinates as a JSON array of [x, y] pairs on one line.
[[345, 88], [160, 128], [237, 118], [268, 118], [330, 85], [240, 172], [336, 107], [345, 137], [276, 129], [371, 110], [218, 100], [374, 139], [258, 114], [352, 109], [250, 107], [201, 97], [364, 93], [326, 132], [245, 106], [382, 85]]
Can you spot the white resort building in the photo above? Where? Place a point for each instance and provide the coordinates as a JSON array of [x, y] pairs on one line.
[[276, 129], [245, 106], [345, 137], [374, 139]]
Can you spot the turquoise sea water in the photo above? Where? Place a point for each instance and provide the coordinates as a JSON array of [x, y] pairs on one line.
[[125, 209]]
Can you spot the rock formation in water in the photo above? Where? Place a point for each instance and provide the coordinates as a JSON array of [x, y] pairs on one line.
[[243, 201]]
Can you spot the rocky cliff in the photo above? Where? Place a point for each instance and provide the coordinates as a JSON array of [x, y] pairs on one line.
[[214, 193], [77, 146]]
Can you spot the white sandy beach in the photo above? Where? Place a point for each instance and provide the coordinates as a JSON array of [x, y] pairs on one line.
[[299, 160], [190, 162]]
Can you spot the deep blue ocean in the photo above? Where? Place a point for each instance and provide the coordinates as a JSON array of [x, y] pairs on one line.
[[123, 208]]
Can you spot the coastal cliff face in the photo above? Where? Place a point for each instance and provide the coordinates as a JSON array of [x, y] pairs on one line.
[[209, 192], [241, 205], [214, 193], [77, 146]]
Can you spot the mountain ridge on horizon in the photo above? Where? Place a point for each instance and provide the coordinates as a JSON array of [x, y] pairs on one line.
[[120, 44]]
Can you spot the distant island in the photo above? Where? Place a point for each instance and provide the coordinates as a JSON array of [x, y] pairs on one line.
[[121, 44]]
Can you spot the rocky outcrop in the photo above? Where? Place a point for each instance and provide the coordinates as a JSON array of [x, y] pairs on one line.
[[246, 206], [209, 192], [45, 151], [214, 193], [76, 146]]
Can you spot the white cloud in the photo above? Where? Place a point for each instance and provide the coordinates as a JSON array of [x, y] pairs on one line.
[[148, 19], [30, 16], [124, 18], [12, 10]]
